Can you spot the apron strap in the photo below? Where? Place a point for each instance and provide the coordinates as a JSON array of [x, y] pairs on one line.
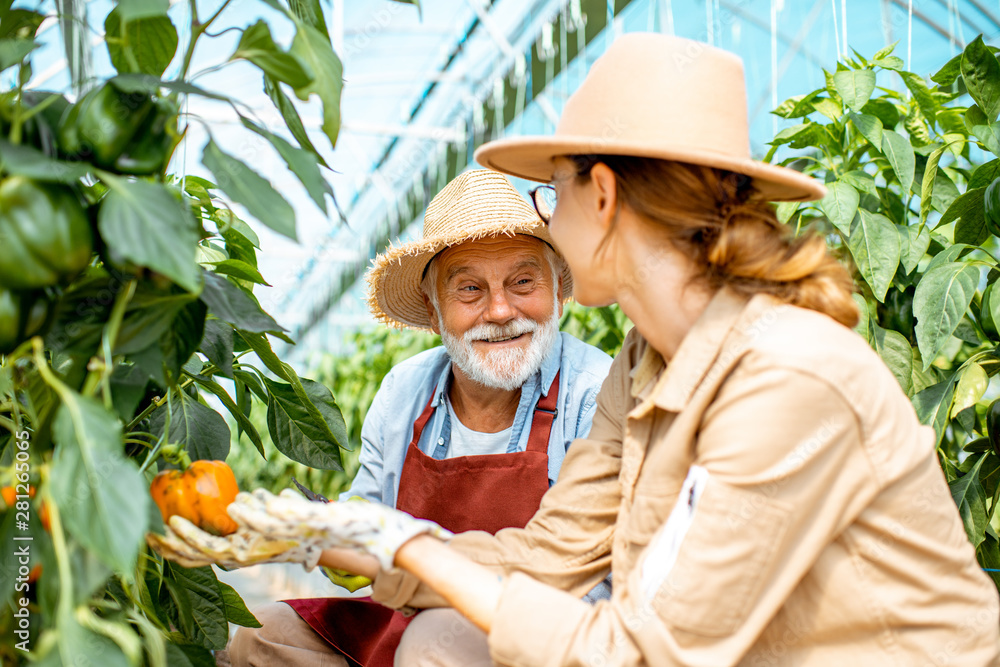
[[425, 416], [541, 422]]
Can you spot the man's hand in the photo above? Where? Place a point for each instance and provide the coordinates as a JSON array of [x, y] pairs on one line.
[[367, 527], [188, 545]]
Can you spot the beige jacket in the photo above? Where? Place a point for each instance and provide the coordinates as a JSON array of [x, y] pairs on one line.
[[768, 499]]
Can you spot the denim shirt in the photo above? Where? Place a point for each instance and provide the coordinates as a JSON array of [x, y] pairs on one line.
[[388, 427]]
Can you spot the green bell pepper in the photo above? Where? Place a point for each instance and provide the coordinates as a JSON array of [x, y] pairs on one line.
[[44, 232]]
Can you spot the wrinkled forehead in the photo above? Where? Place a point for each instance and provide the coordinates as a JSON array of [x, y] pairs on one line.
[[492, 254]]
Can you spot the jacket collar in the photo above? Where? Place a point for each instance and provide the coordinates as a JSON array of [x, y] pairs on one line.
[[670, 386]]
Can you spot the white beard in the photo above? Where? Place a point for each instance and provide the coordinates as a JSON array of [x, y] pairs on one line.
[[505, 369]]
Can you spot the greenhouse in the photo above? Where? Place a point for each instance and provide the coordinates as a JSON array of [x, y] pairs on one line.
[[499, 332]]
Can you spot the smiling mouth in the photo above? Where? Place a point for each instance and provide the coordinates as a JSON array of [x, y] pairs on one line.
[[504, 339]]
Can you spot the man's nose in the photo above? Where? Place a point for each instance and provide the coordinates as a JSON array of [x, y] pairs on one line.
[[499, 309]]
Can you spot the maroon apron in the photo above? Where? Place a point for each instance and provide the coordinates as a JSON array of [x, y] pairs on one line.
[[486, 492]]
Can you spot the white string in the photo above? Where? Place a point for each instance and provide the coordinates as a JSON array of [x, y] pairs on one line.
[[909, 35], [774, 64], [709, 22], [670, 17], [958, 20], [836, 30], [843, 22]]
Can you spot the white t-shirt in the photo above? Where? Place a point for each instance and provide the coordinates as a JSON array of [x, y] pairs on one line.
[[466, 442]]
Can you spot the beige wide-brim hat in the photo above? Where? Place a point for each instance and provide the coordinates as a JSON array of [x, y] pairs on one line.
[[475, 205], [655, 96]]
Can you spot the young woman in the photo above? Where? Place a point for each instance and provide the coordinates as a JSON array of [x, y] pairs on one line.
[[755, 480]]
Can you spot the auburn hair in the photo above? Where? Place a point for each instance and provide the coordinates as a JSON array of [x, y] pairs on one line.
[[734, 238]]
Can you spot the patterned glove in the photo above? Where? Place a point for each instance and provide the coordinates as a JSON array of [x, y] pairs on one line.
[[368, 527], [190, 546]]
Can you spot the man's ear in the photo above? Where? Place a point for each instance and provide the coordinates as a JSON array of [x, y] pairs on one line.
[[606, 190], [432, 314], [559, 290]]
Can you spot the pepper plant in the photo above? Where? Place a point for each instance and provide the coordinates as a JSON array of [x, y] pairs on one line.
[[126, 298], [914, 204]]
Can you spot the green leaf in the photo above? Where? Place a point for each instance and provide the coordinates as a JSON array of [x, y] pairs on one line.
[[197, 591], [900, 154], [237, 268], [967, 492], [300, 162], [985, 174], [981, 128], [100, 494], [933, 405], [943, 296], [202, 430], [870, 128], [891, 62], [231, 304], [77, 645], [988, 554], [861, 328], [28, 161], [972, 383], [236, 609], [291, 117], [921, 378], [181, 340], [829, 108], [970, 205], [884, 110], [840, 205], [145, 223], [855, 86], [947, 75], [296, 432], [874, 243], [257, 46], [189, 655], [920, 240], [217, 345], [244, 423], [922, 94], [128, 387], [152, 41], [141, 9], [314, 49], [151, 85], [13, 51], [896, 353], [927, 184], [247, 187], [981, 73], [885, 51], [860, 181], [972, 228]]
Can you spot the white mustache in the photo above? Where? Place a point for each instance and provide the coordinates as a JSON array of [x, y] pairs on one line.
[[496, 332]]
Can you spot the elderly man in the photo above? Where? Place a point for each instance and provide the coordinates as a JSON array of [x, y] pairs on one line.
[[470, 435]]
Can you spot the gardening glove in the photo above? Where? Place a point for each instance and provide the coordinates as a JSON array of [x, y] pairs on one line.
[[371, 528], [343, 578], [186, 544]]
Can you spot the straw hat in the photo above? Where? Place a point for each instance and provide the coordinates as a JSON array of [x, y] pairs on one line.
[[475, 205], [655, 96]]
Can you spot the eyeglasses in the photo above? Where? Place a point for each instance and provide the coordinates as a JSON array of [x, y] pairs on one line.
[[544, 199]]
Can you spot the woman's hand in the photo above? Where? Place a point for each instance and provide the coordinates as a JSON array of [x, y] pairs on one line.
[[371, 528], [186, 544]]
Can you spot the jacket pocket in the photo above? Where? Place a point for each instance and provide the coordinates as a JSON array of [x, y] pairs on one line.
[[704, 570]]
